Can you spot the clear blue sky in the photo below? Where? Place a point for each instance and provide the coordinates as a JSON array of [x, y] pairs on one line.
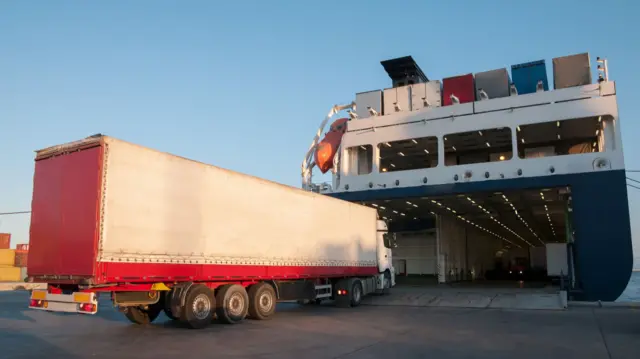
[[244, 84]]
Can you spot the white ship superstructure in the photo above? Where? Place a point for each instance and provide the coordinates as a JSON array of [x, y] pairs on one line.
[[499, 152]]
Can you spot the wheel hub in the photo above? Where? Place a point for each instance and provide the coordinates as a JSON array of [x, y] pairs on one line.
[[236, 304], [265, 302], [201, 306]]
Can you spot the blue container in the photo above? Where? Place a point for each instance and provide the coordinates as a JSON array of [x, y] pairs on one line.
[[526, 76]]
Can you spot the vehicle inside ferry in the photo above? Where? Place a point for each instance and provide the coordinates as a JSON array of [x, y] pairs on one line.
[[491, 238]]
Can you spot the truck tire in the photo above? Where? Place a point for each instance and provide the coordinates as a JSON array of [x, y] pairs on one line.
[[166, 306], [232, 303], [262, 301], [199, 306], [386, 286], [356, 292], [141, 316]]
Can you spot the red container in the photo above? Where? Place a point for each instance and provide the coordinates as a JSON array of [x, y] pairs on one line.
[[5, 240], [22, 247], [461, 87], [21, 259]]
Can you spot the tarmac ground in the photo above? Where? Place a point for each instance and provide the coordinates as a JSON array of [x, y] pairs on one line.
[[296, 331]]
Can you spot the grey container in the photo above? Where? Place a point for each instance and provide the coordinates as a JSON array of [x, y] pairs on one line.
[[571, 71], [495, 83]]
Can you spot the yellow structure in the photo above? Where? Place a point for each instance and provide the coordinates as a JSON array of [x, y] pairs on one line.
[[10, 274], [7, 257]]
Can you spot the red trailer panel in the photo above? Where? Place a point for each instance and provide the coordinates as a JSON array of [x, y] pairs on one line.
[[146, 272], [65, 213], [460, 86]]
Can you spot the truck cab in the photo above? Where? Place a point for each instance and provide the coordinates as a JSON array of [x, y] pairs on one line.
[[386, 241]]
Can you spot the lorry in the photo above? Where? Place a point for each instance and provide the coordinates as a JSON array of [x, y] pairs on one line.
[[162, 233]]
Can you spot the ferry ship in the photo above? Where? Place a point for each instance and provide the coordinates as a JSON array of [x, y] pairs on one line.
[[489, 175]]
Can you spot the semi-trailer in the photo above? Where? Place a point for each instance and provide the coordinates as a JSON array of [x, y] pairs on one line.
[[162, 233]]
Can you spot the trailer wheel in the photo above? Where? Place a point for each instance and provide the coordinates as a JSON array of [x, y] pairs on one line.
[[166, 306], [262, 301], [139, 315], [232, 303], [198, 307], [356, 292]]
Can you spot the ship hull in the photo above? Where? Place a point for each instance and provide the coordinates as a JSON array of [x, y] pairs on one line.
[[602, 252]]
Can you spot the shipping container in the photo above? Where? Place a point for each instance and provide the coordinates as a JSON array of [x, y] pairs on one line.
[[368, 100], [22, 247], [21, 259], [571, 71], [7, 257], [396, 99], [5, 240], [426, 94], [144, 218], [9, 274], [461, 87], [527, 75], [494, 83]]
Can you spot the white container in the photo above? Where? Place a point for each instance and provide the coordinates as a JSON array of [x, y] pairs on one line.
[[557, 261], [161, 207], [426, 93], [364, 100], [396, 99]]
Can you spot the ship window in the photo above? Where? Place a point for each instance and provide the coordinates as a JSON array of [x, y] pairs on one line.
[[489, 145], [411, 154], [359, 160], [565, 137]]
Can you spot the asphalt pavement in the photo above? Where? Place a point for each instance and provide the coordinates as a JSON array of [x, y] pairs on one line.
[[326, 332]]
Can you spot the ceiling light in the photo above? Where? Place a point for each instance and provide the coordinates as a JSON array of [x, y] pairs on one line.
[[384, 170], [488, 145], [414, 141], [518, 128], [597, 132], [454, 147], [401, 154], [522, 140], [557, 123], [387, 144], [558, 136], [480, 133], [501, 157], [426, 151]]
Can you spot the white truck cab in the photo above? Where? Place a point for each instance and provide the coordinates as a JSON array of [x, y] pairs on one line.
[[386, 241]]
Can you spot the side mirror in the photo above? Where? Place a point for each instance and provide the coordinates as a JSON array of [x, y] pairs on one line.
[[389, 240]]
